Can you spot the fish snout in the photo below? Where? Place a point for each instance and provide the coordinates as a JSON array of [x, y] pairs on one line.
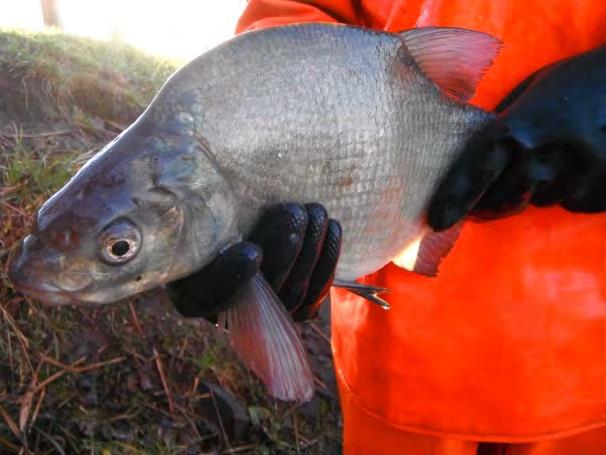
[[37, 272], [19, 271]]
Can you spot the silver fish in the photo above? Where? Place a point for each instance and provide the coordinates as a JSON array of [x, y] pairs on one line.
[[363, 122]]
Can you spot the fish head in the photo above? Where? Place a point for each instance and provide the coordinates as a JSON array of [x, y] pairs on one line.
[[151, 207]]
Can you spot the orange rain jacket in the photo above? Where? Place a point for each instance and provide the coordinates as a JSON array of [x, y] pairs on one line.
[[507, 343]]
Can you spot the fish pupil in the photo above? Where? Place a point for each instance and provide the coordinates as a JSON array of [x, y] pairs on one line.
[[120, 248]]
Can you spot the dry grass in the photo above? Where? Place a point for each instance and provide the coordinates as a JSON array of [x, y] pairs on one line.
[[124, 378]]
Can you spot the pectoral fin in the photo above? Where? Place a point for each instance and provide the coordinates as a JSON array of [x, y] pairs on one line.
[[264, 337]]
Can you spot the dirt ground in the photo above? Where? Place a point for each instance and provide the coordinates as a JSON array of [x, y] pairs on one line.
[[132, 377]]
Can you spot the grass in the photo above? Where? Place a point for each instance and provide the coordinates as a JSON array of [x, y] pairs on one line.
[[122, 378]]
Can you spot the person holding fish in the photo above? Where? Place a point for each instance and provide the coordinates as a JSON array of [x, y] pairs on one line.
[[298, 157], [501, 352]]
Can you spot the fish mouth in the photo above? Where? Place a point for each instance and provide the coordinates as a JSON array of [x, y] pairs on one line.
[[34, 275], [54, 296], [47, 294], [43, 291]]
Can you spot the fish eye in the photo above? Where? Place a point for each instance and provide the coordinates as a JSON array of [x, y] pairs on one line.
[[120, 248], [120, 242]]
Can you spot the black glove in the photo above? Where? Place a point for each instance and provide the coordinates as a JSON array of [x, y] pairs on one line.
[[548, 146], [300, 246]]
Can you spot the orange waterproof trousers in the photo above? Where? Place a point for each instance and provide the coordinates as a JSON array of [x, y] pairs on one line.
[[505, 345]]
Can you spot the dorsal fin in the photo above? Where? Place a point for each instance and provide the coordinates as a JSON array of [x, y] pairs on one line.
[[453, 58]]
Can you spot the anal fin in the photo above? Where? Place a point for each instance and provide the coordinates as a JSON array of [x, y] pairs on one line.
[[366, 291], [425, 254]]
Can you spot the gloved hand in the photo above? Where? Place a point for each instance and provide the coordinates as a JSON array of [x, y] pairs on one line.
[[548, 146], [296, 248]]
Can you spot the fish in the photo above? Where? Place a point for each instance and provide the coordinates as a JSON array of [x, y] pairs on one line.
[[364, 122]]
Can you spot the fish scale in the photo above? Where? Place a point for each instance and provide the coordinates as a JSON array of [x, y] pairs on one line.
[[344, 96]]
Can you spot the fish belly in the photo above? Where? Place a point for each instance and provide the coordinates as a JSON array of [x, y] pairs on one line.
[[377, 192], [377, 185]]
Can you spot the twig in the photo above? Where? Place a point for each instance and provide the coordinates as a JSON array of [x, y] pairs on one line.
[[161, 411], [11, 423], [32, 135], [14, 209], [74, 369], [20, 335], [133, 314], [9, 445], [296, 428], [169, 397], [23, 341], [190, 421], [28, 399], [38, 405], [124, 416], [94, 128], [179, 355], [50, 379], [292, 408], [10, 189], [56, 363], [212, 397], [11, 362], [319, 331], [135, 355], [240, 449], [309, 443], [55, 376], [118, 126], [194, 389], [318, 381], [50, 439], [26, 93], [159, 366], [94, 366]]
